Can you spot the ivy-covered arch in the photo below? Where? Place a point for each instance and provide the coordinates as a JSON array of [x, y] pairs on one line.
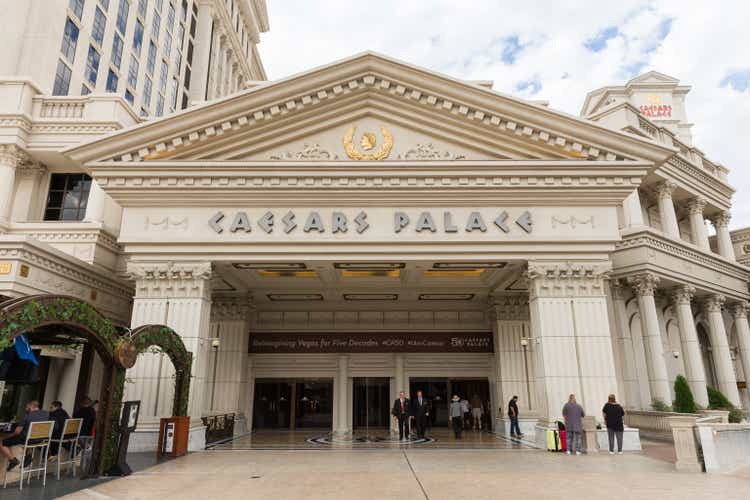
[[117, 346]]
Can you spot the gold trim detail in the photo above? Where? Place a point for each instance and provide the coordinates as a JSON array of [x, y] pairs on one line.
[[367, 140]]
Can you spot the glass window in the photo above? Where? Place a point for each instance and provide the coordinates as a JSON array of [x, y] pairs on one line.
[[151, 61], [62, 79], [170, 17], [155, 25], [183, 10], [190, 53], [177, 63], [92, 65], [184, 100], [117, 44], [159, 4], [105, 4], [133, 72], [100, 23], [146, 92], [122, 16], [173, 94], [142, 6], [144, 112], [85, 90], [129, 97], [112, 80], [159, 105], [138, 37], [186, 78], [77, 7], [163, 77], [167, 45], [67, 197], [180, 36], [192, 27], [70, 40]]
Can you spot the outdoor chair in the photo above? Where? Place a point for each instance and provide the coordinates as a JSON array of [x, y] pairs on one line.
[[70, 434], [39, 437]]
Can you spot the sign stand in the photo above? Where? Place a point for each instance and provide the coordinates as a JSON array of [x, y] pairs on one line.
[[128, 423]]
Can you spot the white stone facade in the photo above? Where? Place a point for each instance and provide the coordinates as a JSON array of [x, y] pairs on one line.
[[372, 197]]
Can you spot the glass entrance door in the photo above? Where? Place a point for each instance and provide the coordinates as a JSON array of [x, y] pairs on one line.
[[436, 392], [371, 402], [289, 404]]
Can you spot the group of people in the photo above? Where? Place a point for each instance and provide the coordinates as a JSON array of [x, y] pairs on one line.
[[573, 413], [58, 415], [407, 412]]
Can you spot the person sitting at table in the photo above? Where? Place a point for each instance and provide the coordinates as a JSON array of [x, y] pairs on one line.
[[59, 415], [33, 414], [88, 414]]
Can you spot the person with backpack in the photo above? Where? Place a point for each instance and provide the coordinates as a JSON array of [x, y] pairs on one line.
[[613, 419], [515, 430]]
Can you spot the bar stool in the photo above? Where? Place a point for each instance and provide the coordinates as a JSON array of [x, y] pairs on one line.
[[70, 434], [39, 437]]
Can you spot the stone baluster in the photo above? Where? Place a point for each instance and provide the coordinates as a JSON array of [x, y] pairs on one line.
[[691, 349], [667, 213], [739, 312], [698, 224], [644, 285], [723, 239], [726, 378]]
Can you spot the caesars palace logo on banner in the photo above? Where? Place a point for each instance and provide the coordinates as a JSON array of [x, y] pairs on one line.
[[340, 222]]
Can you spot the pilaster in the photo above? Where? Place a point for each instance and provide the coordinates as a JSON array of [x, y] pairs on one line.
[[726, 379], [644, 286], [739, 312], [691, 350], [570, 325]]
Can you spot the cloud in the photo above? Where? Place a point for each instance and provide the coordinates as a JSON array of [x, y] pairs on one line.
[[556, 51]]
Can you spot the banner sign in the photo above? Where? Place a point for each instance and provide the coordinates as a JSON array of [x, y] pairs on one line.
[[309, 342]]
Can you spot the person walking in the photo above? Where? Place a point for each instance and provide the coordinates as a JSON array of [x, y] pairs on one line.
[[466, 410], [476, 412], [573, 414], [420, 410], [456, 416], [401, 413], [515, 430], [613, 419]]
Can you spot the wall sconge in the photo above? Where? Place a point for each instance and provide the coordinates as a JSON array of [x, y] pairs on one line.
[[524, 341], [676, 354], [215, 342]]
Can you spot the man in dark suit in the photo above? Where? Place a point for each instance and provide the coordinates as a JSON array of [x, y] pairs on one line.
[[420, 410], [401, 409]]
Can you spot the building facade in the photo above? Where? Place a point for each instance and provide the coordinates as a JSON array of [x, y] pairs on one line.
[[324, 241]]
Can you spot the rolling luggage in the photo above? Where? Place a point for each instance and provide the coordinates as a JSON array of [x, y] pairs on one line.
[[553, 440]]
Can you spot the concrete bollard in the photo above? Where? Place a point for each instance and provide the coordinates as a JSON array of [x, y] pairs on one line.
[[685, 444], [590, 441]]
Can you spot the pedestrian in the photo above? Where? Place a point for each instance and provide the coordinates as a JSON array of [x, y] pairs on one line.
[[476, 412], [420, 410], [59, 416], [401, 414], [466, 411], [456, 416], [613, 419], [515, 430], [573, 414]]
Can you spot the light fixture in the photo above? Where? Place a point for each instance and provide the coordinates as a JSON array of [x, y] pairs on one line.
[[281, 297], [215, 342], [676, 354], [452, 273], [395, 273], [369, 266], [468, 265], [370, 296], [446, 296], [270, 273], [270, 266]]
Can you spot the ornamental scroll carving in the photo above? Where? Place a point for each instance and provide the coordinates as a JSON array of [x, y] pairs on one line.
[[308, 152], [166, 223], [567, 279], [429, 152], [573, 221]]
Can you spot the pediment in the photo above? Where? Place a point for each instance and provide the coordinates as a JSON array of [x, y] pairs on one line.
[[428, 115], [653, 77]]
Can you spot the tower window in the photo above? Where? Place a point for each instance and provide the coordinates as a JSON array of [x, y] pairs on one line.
[[62, 79], [67, 197], [70, 40]]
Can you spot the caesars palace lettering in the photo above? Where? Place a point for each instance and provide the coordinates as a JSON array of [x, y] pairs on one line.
[[339, 222]]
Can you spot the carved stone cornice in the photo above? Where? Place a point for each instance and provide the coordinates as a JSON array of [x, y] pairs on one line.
[[619, 289], [509, 306], [12, 156], [644, 284], [696, 205], [721, 220], [234, 308], [682, 294], [171, 279], [567, 279], [30, 168], [713, 303], [740, 309]]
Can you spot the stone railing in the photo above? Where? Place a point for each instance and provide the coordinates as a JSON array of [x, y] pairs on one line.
[[653, 424], [724, 447], [103, 110]]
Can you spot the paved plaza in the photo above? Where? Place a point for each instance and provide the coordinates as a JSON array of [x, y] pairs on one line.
[[415, 473]]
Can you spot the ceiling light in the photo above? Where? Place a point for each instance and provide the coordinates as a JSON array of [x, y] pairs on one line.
[[270, 266], [293, 296], [369, 266], [268, 273], [446, 296], [468, 265], [467, 273], [370, 296], [367, 274]]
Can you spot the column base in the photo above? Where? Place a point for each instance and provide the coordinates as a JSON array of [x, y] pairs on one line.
[[526, 424], [240, 425]]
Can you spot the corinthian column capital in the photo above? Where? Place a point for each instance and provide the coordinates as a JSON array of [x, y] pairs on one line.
[[13, 156], [696, 205], [683, 294], [740, 309], [714, 303], [644, 284], [665, 189], [721, 220]]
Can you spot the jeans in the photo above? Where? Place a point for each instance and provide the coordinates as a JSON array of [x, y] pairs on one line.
[[612, 434], [457, 426], [515, 430], [575, 440]]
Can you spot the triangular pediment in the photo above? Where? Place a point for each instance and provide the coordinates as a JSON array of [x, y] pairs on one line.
[[308, 117], [653, 77]]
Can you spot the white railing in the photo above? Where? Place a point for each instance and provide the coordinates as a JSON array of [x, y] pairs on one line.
[[62, 108], [653, 423]]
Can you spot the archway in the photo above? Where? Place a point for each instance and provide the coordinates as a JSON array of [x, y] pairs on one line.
[[63, 319]]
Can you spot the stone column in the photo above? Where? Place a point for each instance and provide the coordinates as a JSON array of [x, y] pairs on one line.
[[202, 55], [644, 286], [723, 239], [10, 157], [739, 312], [695, 372], [624, 339], [570, 329], [698, 223], [666, 209], [95, 204], [342, 396], [399, 382], [632, 210], [178, 295], [726, 379]]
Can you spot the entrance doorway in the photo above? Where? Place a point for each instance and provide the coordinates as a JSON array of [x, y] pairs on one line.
[[371, 402], [439, 392], [292, 404]]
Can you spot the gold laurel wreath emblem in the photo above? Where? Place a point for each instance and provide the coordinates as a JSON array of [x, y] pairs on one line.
[[380, 154]]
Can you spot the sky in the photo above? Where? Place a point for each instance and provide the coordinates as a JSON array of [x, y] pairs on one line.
[[551, 50]]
